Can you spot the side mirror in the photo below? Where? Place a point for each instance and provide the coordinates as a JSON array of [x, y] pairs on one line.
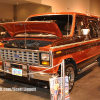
[[85, 31]]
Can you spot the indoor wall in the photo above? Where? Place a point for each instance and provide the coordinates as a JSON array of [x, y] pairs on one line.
[[25, 10], [81, 6], [20, 12], [73, 5], [95, 7], [6, 11], [43, 6]]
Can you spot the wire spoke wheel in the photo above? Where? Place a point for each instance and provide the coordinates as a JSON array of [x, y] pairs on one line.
[[69, 71]]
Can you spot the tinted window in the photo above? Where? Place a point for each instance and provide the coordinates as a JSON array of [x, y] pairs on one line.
[[79, 25], [93, 28]]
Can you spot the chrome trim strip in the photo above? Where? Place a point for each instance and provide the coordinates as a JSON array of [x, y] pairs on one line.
[[87, 67], [73, 43], [24, 22]]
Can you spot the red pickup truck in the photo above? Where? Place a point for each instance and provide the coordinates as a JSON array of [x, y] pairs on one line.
[[39, 45]]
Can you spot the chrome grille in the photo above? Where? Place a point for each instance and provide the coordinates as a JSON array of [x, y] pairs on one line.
[[20, 55]]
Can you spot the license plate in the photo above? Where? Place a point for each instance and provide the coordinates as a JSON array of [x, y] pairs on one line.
[[17, 72]]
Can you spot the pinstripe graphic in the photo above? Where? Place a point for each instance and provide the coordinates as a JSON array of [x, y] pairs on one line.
[[76, 48]]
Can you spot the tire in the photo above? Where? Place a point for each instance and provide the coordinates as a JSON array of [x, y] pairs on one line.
[[70, 72]]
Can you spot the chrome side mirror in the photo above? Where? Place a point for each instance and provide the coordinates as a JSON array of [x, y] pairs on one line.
[[85, 31]]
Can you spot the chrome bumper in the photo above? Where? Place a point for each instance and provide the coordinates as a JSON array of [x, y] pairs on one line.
[[43, 76], [33, 75]]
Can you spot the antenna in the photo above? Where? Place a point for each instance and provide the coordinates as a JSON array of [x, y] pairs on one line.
[[25, 36], [68, 19]]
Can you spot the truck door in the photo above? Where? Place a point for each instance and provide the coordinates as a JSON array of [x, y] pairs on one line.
[[79, 24]]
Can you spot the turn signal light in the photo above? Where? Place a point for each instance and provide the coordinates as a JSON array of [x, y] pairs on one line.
[[45, 63]]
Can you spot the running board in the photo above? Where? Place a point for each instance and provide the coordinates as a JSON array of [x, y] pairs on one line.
[[87, 67]]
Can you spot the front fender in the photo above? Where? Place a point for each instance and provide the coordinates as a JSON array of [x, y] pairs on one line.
[[58, 61]]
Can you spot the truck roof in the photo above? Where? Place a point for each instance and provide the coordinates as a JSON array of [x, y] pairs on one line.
[[65, 13]]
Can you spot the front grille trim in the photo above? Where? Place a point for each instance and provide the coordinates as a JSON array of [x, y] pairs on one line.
[[20, 55]]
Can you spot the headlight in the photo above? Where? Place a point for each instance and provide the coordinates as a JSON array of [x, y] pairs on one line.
[[45, 56], [44, 59]]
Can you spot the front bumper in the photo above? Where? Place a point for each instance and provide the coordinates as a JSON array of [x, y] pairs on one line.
[[43, 76], [28, 74]]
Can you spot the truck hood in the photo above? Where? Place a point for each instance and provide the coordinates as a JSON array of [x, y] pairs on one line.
[[47, 27]]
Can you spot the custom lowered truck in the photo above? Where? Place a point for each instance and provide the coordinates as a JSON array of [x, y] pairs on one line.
[[38, 45]]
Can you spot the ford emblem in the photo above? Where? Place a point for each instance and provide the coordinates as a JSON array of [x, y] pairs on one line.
[[16, 56]]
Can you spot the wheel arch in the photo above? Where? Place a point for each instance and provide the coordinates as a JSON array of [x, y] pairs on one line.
[[72, 61], [67, 61]]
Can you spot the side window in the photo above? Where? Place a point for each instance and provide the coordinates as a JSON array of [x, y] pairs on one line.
[[78, 26], [93, 28]]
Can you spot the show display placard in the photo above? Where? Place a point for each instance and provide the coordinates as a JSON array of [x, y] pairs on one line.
[[56, 88]]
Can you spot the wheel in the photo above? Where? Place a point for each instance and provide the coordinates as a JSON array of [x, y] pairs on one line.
[[70, 72]]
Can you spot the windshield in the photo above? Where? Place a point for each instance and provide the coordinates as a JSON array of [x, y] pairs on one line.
[[64, 22]]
